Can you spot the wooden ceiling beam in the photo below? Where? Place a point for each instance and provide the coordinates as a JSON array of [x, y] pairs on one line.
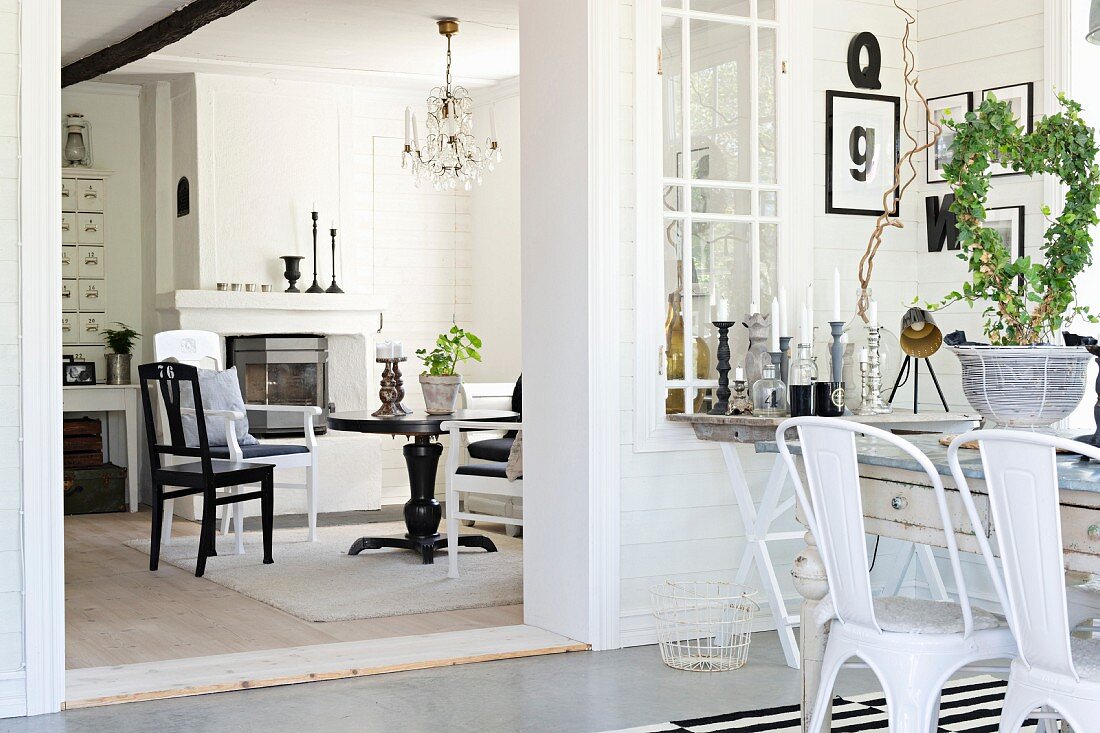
[[164, 32]]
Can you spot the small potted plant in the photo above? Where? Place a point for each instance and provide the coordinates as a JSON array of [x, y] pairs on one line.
[[439, 380], [121, 343], [1024, 378]]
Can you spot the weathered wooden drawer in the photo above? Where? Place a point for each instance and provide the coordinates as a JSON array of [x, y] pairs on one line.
[[89, 229], [1081, 529], [90, 295], [90, 194], [68, 295], [68, 262], [90, 261], [68, 228], [917, 506], [68, 194]]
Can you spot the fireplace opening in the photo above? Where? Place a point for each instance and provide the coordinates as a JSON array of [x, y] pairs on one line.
[[281, 369]]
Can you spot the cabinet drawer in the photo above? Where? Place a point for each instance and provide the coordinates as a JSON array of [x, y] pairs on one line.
[[917, 506], [68, 262], [68, 194], [90, 295], [90, 261], [68, 295], [89, 229], [68, 227], [91, 328], [69, 328], [90, 194]]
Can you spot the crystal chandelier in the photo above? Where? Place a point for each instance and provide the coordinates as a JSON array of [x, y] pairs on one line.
[[450, 155]]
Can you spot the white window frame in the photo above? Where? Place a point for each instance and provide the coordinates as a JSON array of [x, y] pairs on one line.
[[796, 167]]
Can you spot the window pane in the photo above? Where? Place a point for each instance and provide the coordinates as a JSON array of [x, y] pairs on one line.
[[767, 109], [674, 198], [769, 268], [765, 9], [722, 254], [721, 107], [673, 236], [721, 201], [671, 92], [725, 7], [769, 203]]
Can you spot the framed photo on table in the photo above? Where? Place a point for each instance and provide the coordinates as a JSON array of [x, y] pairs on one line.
[[862, 149], [941, 109], [1021, 99], [77, 373]]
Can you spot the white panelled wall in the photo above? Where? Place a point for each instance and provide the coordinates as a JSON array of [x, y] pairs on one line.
[[11, 556]]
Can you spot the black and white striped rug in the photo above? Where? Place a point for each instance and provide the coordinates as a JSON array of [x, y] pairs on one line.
[[972, 705]]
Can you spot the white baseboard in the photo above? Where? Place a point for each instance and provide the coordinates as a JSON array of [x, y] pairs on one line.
[[13, 694]]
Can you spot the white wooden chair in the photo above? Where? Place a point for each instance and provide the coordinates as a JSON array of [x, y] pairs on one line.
[[486, 478], [912, 645], [488, 445], [203, 349], [1054, 672]]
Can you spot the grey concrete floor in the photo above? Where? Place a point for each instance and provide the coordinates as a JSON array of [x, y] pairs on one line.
[[582, 692]]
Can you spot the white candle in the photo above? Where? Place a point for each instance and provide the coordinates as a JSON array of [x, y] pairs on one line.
[[774, 347], [383, 350], [333, 224], [873, 313], [803, 325], [754, 283], [723, 309], [416, 134], [493, 123], [753, 307], [408, 126], [398, 349], [836, 294], [864, 355], [739, 374], [783, 330]]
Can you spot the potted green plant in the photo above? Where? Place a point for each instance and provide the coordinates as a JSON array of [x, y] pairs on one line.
[[1024, 378], [440, 380], [121, 343]]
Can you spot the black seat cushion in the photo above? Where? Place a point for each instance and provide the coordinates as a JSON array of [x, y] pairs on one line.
[[261, 450], [490, 470], [494, 449]]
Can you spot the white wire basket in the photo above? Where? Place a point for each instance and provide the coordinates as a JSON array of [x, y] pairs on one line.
[[703, 626]]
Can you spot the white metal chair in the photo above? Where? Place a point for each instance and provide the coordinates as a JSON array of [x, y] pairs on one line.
[[912, 645], [486, 445], [1052, 671], [204, 349], [487, 478]]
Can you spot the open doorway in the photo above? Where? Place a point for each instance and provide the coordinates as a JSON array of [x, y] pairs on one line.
[[205, 170]]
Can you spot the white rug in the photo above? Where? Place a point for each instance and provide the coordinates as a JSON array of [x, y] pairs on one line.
[[319, 581]]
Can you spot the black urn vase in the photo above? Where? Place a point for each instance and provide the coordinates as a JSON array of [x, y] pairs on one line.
[[293, 271]]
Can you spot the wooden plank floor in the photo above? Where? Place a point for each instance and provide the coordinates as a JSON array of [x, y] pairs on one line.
[[118, 613], [248, 670]]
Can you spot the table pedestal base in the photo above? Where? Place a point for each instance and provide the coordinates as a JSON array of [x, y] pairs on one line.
[[425, 546]]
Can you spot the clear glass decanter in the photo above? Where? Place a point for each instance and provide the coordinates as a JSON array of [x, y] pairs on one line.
[[769, 394], [803, 376]]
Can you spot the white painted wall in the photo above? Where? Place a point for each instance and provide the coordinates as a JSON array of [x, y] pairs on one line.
[[11, 555]]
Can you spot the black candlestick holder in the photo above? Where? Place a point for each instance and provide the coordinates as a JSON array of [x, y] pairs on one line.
[[316, 286], [1094, 439], [722, 405], [334, 288], [392, 389]]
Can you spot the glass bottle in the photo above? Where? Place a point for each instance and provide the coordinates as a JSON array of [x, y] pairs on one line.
[[769, 394], [675, 368], [802, 376]]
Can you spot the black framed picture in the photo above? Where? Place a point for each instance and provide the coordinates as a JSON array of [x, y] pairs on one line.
[[949, 107], [1008, 221], [1021, 99], [77, 373], [862, 148]]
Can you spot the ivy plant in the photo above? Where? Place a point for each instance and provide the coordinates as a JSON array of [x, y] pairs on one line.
[[1025, 302], [452, 347]]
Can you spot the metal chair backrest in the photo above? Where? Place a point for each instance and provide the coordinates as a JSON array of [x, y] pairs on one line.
[[202, 349], [172, 381], [1021, 478], [832, 505]]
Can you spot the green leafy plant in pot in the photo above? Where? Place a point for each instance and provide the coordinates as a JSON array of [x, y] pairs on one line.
[[1023, 379], [121, 343], [440, 380]]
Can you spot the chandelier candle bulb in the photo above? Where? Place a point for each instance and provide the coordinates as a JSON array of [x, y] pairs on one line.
[[408, 127], [493, 122]]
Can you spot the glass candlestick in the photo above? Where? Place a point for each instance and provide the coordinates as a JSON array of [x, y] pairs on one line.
[[872, 402]]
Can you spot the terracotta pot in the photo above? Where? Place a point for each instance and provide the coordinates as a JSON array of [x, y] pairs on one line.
[[440, 393]]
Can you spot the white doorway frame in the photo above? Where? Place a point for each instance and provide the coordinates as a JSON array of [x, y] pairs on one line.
[[40, 391]]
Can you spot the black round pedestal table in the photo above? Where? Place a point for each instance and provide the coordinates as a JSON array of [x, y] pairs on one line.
[[422, 511]]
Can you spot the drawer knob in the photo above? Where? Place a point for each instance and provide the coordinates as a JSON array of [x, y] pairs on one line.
[[64, 225], [91, 228], [91, 293], [1094, 532], [65, 327], [65, 260], [899, 503], [65, 293], [91, 259], [90, 194], [64, 192]]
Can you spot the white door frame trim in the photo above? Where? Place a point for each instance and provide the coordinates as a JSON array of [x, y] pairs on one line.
[[40, 347]]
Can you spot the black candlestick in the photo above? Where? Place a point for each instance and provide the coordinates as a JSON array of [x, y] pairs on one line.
[[724, 392], [316, 286], [1094, 439], [334, 288]]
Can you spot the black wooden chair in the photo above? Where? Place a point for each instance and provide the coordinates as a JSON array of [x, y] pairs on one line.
[[204, 476]]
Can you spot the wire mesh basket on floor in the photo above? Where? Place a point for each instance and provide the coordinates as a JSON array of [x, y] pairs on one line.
[[703, 626]]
